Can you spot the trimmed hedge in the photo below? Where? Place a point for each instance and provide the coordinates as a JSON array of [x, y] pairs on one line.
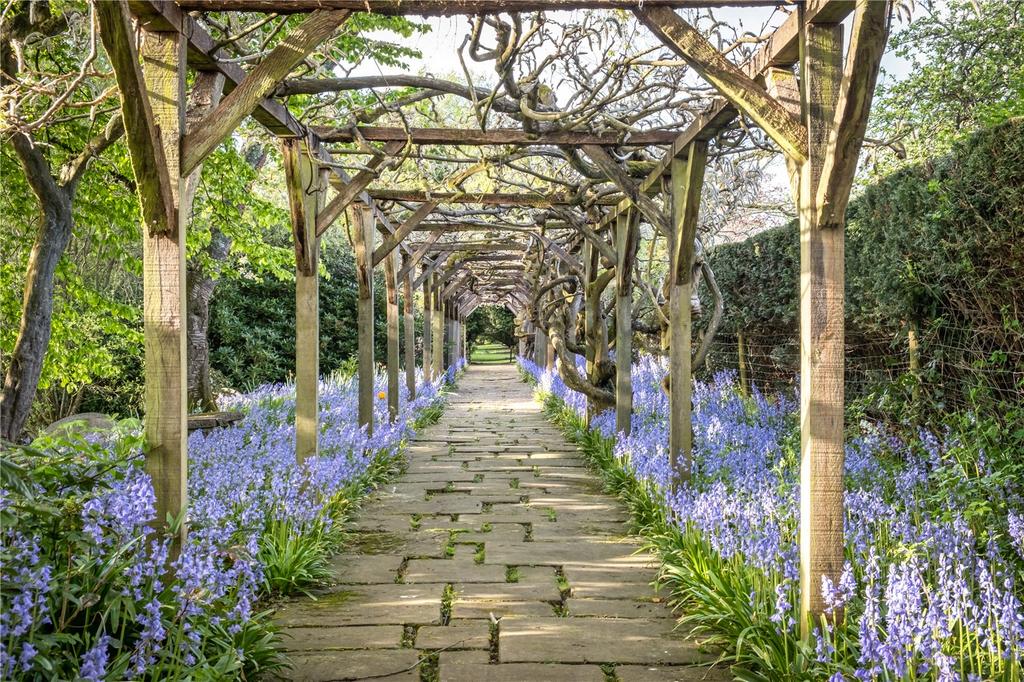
[[939, 246]]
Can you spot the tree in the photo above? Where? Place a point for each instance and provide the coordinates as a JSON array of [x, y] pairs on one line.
[[32, 35]]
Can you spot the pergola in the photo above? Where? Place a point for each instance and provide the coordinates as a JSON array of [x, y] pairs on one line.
[[816, 114]]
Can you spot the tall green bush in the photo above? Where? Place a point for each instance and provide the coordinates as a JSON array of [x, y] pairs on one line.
[[939, 247]]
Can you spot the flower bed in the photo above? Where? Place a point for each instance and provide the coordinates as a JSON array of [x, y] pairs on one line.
[[87, 590], [934, 530]]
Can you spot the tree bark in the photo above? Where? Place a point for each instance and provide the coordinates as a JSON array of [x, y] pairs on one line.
[[199, 292], [26, 362]]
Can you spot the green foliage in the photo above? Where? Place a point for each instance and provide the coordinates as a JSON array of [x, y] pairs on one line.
[[294, 559], [966, 72], [491, 323], [252, 324], [939, 245]]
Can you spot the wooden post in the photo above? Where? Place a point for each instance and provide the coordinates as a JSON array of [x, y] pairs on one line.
[[914, 352], [821, 333], [428, 332], [741, 355], [687, 182], [438, 330], [305, 196], [409, 331], [625, 249], [362, 240], [163, 301], [540, 348], [390, 271]]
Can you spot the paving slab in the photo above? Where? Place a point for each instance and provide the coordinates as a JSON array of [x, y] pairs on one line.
[[495, 470]]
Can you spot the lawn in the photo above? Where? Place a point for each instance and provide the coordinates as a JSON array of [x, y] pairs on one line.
[[491, 354]]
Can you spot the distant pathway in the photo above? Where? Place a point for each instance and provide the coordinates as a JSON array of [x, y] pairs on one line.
[[495, 557]]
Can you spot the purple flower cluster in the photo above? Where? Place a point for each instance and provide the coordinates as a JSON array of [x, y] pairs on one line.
[[922, 594], [241, 479]]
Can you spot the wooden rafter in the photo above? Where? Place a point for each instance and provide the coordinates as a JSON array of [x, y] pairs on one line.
[[506, 136], [730, 80], [395, 238], [347, 192], [259, 83], [450, 7], [484, 198]]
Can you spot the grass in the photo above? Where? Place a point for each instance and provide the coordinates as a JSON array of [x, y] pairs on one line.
[[491, 354]]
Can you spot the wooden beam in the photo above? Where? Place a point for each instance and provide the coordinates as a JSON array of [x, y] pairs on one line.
[[363, 231], [821, 336], [627, 237], [733, 84], [497, 136], [391, 285], [305, 189], [781, 49], [349, 191], [428, 334], [434, 8], [154, 163], [421, 250], [438, 327], [259, 83], [485, 198], [633, 192], [396, 237], [687, 182], [409, 324], [868, 38], [153, 107]]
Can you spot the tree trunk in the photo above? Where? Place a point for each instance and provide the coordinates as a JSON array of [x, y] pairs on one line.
[[26, 362], [199, 293]]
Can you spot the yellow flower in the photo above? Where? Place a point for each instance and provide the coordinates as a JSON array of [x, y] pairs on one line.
[[382, 395]]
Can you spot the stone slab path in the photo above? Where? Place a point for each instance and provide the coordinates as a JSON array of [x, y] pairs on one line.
[[494, 557]]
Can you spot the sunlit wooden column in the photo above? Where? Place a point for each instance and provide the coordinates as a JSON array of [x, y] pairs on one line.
[[687, 181], [163, 282], [626, 233], [428, 331], [393, 358], [305, 187], [821, 331], [363, 231], [438, 326], [409, 331]]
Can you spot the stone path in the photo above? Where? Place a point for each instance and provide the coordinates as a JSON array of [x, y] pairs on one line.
[[495, 557]]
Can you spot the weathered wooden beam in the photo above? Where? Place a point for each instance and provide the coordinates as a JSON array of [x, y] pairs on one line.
[[155, 165], [409, 329], [733, 84], [868, 38], [451, 7], [627, 238], [648, 206], [349, 191], [456, 247], [821, 335], [391, 285], [781, 49], [153, 107], [428, 334], [500, 136], [305, 188], [485, 198], [395, 238], [687, 182], [363, 231], [438, 327], [431, 267], [421, 249], [496, 227], [259, 83]]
